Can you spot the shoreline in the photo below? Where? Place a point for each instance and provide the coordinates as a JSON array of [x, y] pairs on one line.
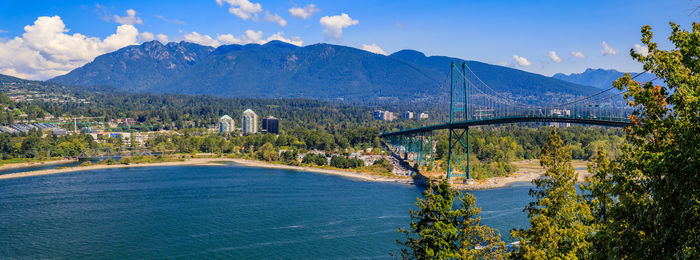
[[10, 166], [528, 170], [212, 162]]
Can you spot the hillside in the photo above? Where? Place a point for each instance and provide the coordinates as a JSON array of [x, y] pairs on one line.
[[137, 67], [601, 78], [277, 69]]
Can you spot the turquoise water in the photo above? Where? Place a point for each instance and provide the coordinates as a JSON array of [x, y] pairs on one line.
[[215, 212]]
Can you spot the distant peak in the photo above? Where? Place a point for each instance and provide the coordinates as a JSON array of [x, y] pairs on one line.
[[408, 54]]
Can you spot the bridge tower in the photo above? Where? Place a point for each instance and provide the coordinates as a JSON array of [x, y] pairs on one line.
[[459, 111]]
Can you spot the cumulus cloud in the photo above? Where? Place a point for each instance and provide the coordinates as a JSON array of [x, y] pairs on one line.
[[333, 25], [521, 61], [373, 48], [607, 50], [46, 50], [244, 9], [129, 19], [249, 36], [275, 18], [554, 57], [162, 38], [578, 54], [228, 39], [641, 50], [197, 38], [146, 37], [305, 12]]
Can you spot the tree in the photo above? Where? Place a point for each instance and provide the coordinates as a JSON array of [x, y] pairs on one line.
[[598, 189], [559, 218], [437, 231], [657, 191]]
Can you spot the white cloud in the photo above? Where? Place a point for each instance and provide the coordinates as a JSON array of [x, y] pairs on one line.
[[45, 50], [2, 31], [521, 61], [130, 18], [373, 48], [244, 9], [607, 50], [146, 37], [578, 54], [304, 13], [333, 25], [197, 38], [250, 36], [173, 21], [553, 55], [503, 63], [229, 39], [162, 38], [641, 50], [275, 18]]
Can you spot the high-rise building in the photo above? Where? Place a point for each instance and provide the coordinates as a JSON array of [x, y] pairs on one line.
[[271, 125], [383, 115], [407, 115], [226, 124], [249, 122]]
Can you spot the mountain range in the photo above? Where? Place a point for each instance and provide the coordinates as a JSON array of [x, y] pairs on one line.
[[602, 78], [277, 69]]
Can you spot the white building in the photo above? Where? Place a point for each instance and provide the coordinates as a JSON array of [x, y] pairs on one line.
[[226, 124], [423, 116], [249, 122], [408, 115]]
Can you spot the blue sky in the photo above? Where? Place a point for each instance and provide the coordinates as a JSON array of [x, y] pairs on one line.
[[519, 34]]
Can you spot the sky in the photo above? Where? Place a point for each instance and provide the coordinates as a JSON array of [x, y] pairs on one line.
[[44, 39]]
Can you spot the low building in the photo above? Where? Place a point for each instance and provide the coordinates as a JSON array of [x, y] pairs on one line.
[[226, 124], [407, 115], [423, 116], [271, 125]]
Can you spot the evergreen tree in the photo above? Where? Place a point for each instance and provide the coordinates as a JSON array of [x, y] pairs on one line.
[[598, 192], [437, 231], [559, 218]]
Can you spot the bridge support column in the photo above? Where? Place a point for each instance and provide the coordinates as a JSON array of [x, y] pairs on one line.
[[458, 148]]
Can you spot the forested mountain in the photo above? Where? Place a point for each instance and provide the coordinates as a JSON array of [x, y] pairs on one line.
[[137, 67], [278, 69], [601, 78]]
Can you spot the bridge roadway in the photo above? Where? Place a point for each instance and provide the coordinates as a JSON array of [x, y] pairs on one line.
[[612, 122]]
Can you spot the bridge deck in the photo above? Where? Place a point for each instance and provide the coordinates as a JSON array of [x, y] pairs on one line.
[[612, 122]]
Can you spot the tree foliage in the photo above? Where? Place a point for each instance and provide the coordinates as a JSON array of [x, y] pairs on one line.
[[657, 192], [559, 218], [438, 231]]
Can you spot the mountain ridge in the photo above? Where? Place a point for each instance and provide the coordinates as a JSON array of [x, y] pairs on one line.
[[277, 69]]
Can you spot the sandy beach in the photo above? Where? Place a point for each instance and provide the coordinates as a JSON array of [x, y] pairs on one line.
[[29, 164], [528, 170]]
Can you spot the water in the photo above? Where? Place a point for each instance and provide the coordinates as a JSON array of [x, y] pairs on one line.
[[215, 212]]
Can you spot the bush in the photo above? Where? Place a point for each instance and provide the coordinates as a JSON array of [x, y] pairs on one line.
[[317, 159], [125, 160]]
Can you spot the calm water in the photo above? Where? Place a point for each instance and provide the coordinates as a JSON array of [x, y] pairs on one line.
[[215, 212]]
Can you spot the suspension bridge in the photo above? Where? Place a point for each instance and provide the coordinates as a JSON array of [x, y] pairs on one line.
[[473, 103]]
